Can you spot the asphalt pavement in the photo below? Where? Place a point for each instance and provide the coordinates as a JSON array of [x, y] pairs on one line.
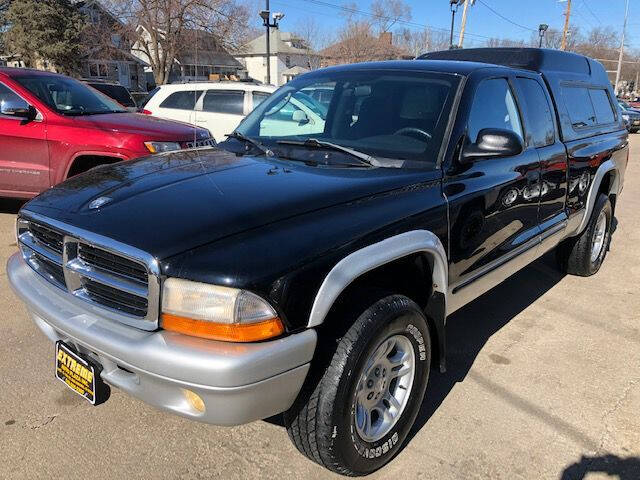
[[543, 382]]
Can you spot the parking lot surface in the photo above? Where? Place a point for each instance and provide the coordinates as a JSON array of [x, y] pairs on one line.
[[543, 382]]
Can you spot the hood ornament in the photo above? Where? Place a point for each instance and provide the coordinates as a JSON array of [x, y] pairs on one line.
[[99, 202]]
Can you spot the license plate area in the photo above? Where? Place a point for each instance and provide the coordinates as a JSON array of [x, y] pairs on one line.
[[80, 374]]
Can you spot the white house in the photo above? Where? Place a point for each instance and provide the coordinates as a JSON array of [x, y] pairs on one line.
[[290, 56]]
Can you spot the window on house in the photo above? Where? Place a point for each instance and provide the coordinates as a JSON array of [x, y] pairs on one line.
[[287, 61]]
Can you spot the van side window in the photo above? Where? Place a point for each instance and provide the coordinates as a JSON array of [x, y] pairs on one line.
[[181, 100], [493, 107], [579, 105], [539, 120], [602, 106], [224, 101]]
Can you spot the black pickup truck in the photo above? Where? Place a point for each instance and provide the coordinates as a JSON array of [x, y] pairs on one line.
[[307, 265]]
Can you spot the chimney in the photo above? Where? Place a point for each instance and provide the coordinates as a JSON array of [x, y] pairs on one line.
[[386, 38]]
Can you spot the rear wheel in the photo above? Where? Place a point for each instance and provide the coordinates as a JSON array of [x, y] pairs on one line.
[[584, 255], [354, 419]]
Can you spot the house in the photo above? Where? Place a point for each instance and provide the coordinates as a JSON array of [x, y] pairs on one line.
[[201, 57], [362, 46], [290, 56], [107, 52]]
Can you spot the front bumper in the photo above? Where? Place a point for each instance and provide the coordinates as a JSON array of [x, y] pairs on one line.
[[238, 383]]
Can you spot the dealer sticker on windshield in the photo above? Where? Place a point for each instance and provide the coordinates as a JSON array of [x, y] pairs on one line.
[[76, 372]]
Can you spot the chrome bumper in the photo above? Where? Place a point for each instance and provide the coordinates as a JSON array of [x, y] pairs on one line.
[[238, 383]]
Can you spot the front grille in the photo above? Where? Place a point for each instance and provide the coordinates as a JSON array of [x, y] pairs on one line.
[[47, 237], [94, 271], [116, 299], [109, 262]]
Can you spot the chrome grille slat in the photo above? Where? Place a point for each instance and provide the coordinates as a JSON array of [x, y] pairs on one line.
[[95, 269]]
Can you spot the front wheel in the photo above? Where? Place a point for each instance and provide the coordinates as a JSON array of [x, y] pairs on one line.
[[355, 418]]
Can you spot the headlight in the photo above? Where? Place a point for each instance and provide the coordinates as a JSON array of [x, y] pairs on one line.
[[625, 118], [159, 147], [215, 312]]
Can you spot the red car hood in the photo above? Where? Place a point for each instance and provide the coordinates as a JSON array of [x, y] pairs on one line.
[[137, 123]]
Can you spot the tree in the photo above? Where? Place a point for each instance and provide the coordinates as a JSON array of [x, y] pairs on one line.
[[387, 13], [309, 31], [164, 28], [417, 42], [47, 31]]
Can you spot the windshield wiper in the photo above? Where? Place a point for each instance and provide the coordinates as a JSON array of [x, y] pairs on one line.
[[243, 138], [315, 143]]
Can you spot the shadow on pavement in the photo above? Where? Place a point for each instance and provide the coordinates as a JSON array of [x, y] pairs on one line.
[[615, 467], [469, 328], [11, 205]]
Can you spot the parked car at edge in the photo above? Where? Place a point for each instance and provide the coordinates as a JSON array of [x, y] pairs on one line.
[[53, 127], [311, 272], [630, 116], [216, 106], [116, 92]]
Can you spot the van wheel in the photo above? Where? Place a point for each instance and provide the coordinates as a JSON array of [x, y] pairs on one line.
[[355, 418], [584, 254]]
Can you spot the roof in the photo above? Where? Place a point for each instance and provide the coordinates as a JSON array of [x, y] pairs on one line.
[[224, 85], [436, 66], [296, 70], [20, 72], [535, 59], [280, 42]]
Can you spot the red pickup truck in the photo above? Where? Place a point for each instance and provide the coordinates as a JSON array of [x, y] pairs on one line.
[[53, 127]]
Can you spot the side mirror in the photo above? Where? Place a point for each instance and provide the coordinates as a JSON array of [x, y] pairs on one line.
[[17, 108], [300, 117], [493, 142]]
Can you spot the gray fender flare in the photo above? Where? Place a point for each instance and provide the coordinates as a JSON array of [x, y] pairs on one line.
[[606, 167], [372, 256]]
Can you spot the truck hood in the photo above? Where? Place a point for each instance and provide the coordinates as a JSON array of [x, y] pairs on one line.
[[168, 204], [136, 123]]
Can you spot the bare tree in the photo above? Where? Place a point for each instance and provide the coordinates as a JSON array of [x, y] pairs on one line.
[[163, 28], [387, 13], [417, 42], [314, 37]]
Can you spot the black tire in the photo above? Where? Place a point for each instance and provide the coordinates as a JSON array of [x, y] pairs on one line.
[[574, 255], [321, 423]]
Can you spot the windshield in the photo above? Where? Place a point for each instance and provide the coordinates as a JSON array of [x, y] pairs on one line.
[[399, 116], [117, 92], [68, 96]]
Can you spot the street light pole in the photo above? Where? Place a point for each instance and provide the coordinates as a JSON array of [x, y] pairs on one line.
[[620, 55], [541, 31], [266, 21], [454, 6]]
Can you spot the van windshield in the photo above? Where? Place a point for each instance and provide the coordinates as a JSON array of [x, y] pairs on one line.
[[385, 114], [68, 96]]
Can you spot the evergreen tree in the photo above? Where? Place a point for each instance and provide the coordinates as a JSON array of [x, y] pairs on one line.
[[45, 30]]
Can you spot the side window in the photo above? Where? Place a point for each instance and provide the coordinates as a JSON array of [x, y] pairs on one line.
[[181, 100], [602, 106], [539, 119], [7, 97], [578, 103], [259, 97], [224, 101], [493, 107]]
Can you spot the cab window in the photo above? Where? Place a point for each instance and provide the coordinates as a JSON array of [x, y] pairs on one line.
[[539, 119]]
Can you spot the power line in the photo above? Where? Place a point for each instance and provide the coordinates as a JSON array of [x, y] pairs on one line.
[[507, 19], [584, 2], [371, 15]]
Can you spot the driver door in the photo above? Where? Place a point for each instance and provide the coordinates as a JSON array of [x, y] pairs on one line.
[[24, 152], [494, 201]]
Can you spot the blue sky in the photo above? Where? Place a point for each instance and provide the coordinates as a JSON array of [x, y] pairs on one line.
[[482, 22]]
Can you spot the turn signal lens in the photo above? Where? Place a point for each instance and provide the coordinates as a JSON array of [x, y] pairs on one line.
[[235, 332], [216, 312], [194, 400]]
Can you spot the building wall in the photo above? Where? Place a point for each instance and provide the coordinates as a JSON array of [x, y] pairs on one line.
[[257, 66]]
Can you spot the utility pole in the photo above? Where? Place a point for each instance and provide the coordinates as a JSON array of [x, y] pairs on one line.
[[566, 25], [620, 55], [464, 21]]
